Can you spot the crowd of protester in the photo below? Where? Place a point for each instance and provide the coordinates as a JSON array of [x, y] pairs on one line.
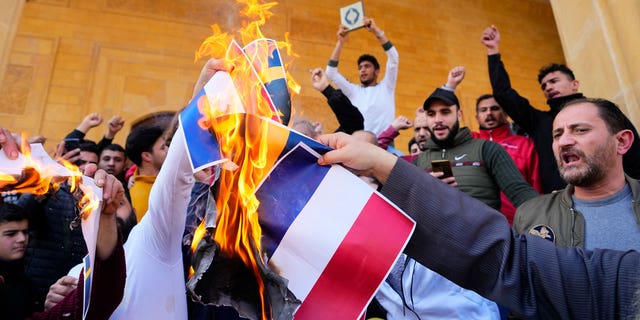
[[543, 224]]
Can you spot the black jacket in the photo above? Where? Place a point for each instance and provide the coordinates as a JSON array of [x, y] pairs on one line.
[[538, 124], [349, 117], [55, 246], [15, 291]]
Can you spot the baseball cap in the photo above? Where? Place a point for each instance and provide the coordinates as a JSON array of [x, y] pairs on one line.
[[446, 96]]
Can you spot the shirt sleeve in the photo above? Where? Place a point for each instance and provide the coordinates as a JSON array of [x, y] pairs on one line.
[[341, 82], [107, 291], [391, 71], [506, 174], [516, 106], [349, 117], [75, 134], [386, 137], [168, 201], [103, 143]]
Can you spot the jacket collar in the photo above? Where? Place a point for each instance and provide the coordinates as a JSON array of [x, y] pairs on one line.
[[497, 133], [633, 184], [463, 135], [555, 104]]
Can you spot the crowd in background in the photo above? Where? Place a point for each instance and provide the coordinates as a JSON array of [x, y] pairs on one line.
[[541, 189]]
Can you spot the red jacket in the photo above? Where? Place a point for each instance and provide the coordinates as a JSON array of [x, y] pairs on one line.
[[523, 153]]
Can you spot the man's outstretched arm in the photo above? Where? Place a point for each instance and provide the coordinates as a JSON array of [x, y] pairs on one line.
[[516, 106], [472, 245]]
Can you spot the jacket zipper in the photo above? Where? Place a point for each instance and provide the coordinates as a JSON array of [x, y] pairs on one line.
[[573, 225]]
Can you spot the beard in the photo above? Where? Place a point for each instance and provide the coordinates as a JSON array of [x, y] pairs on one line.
[[422, 145], [593, 168], [366, 82], [448, 140]]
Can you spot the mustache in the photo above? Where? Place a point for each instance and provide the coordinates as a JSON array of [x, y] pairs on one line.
[[570, 149]]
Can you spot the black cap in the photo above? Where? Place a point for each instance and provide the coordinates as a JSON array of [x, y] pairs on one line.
[[448, 97]]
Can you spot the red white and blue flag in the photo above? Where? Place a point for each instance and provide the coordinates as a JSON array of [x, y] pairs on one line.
[[327, 232], [330, 234]]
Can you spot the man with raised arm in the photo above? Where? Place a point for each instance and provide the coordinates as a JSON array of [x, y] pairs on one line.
[[559, 86], [375, 99]]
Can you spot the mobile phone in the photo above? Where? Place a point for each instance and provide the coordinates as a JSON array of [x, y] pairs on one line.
[[443, 166], [71, 144]]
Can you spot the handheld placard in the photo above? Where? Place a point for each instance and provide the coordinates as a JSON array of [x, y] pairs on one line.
[[352, 16]]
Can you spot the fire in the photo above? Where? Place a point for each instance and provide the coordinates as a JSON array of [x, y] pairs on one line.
[[36, 178], [242, 138], [294, 86], [74, 181], [87, 203], [30, 181], [39, 178]]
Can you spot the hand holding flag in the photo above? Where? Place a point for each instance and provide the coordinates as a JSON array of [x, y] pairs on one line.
[[364, 158]]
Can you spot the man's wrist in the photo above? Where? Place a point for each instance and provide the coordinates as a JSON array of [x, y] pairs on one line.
[[83, 128], [379, 34], [383, 166], [448, 87]]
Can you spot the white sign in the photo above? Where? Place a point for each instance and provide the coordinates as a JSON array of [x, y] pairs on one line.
[[352, 16]]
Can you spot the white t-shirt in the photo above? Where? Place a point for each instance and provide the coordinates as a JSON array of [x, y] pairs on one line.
[[376, 103], [155, 287]]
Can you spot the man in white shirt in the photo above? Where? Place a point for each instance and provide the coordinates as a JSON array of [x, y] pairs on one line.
[[155, 287], [375, 99]]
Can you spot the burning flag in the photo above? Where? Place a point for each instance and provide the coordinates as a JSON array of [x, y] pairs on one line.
[[35, 172], [318, 242], [281, 248]]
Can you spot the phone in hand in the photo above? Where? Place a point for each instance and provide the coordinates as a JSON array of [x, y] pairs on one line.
[[71, 144], [443, 166]]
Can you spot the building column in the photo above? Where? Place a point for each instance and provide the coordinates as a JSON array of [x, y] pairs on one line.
[[600, 43]]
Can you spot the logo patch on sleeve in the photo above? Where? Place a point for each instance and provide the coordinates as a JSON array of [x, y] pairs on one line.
[[544, 232]]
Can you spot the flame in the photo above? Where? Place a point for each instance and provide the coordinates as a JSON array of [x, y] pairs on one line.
[[30, 181], [293, 85], [242, 138], [35, 177], [216, 44], [87, 203], [74, 181], [39, 178]]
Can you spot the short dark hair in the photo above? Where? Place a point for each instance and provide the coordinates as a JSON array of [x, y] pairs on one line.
[[114, 147], [89, 146], [141, 140], [10, 212], [370, 58], [482, 98], [172, 127], [608, 111], [411, 141], [545, 70]]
